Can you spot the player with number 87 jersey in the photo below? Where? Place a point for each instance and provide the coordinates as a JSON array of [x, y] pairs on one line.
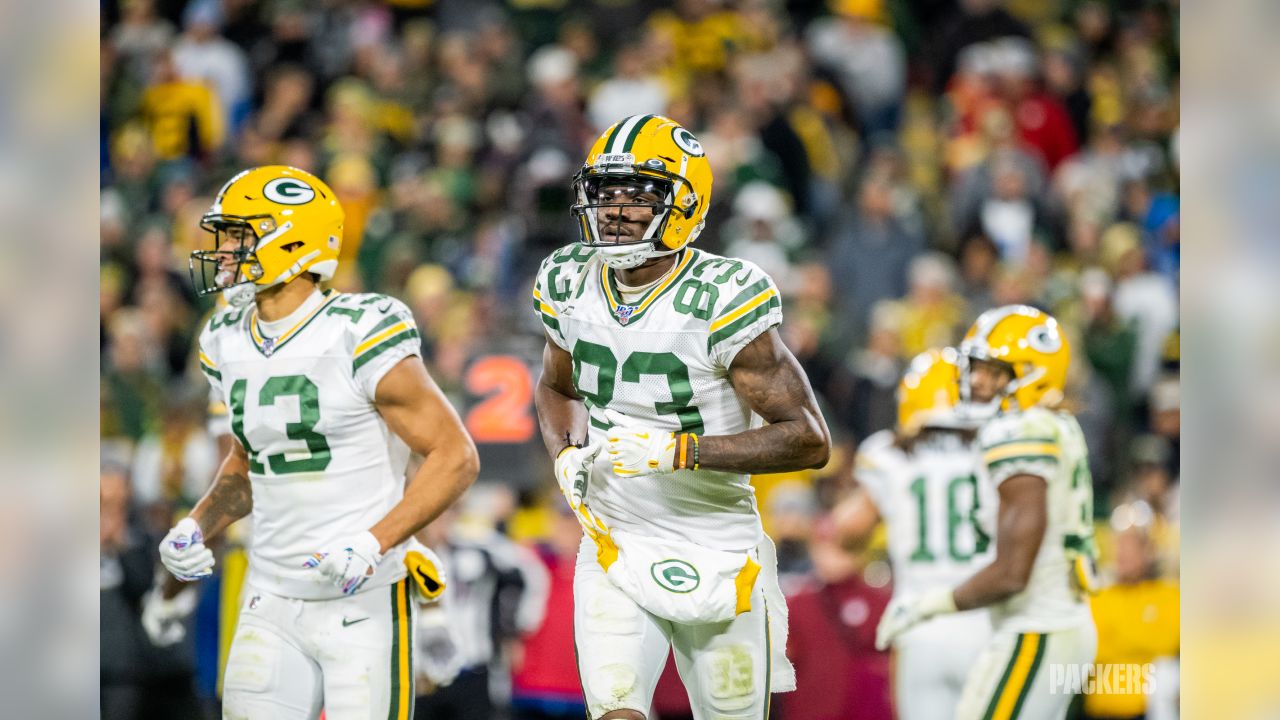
[[665, 385], [1013, 369]]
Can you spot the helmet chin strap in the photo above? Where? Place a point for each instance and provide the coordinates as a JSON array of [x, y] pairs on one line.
[[625, 257], [240, 295]]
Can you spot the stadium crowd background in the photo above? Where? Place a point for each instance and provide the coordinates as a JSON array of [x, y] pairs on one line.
[[896, 166]]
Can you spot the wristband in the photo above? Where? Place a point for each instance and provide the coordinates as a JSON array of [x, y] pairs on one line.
[[687, 451]]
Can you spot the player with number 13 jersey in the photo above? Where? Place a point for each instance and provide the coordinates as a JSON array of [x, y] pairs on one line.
[[327, 396]]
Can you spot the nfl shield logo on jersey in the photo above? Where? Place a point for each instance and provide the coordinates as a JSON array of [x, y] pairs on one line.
[[624, 313], [268, 346]]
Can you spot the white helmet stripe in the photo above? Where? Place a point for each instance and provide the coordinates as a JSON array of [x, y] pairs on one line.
[[274, 236], [990, 319], [620, 139]]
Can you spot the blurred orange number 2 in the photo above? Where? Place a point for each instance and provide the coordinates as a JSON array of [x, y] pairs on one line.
[[503, 416]]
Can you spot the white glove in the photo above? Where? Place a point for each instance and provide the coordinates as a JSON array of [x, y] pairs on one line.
[[426, 570], [637, 450], [183, 552], [165, 620], [348, 563], [436, 651], [573, 471], [905, 613]]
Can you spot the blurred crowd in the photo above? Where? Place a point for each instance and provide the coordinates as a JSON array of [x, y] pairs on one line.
[[897, 166]]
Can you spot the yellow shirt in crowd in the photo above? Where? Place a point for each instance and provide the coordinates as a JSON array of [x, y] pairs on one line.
[[1137, 624]]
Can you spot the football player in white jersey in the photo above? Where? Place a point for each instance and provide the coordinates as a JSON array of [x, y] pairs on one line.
[[664, 386], [1013, 369], [327, 396], [921, 481]]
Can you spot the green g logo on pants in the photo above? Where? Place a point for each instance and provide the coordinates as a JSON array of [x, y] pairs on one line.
[[677, 576]]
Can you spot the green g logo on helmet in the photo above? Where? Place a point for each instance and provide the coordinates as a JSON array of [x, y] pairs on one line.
[[687, 142], [676, 576], [288, 191]]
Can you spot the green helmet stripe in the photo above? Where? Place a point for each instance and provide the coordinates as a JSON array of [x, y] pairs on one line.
[[622, 137], [635, 132], [613, 135]]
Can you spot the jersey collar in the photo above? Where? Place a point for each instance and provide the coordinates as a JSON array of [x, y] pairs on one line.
[[268, 345], [626, 314]]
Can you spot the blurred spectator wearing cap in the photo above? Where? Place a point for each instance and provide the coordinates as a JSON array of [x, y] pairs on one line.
[[1109, 346], [1141, 297], [202, 54], [1138, 623], [933, 315], [868, 60], [876, 369], [763, 230], [839, 673]]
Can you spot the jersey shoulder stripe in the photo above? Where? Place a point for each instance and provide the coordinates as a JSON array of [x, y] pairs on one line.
[[1028, 439], [379, 323], [208, 366], [563, 275], [748, 314], [548, 314]]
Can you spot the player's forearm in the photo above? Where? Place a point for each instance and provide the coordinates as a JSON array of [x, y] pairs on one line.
[[988, 586], [783, 446], [446, 473], [228, 499], [563, 419], [1020, 528]]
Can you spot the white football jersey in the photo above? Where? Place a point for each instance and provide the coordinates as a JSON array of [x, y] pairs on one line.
[[322, 463], [664, 361], [1050, 445], [930, 500]]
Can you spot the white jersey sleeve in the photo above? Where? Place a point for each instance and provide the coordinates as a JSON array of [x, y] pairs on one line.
[[383, 333], [209, 348], [1050, 446], [745, 305], [560, 279], [873, 468], [1020, 444]]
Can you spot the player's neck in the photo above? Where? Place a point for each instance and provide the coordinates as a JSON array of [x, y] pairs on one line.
[[647, 272], [278, 302]]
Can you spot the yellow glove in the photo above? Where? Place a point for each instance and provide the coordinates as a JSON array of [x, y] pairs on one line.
[[427, 572]]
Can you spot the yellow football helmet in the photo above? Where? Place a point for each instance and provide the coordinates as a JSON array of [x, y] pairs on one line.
[[1034, 347], [928, 391], [649, 154], [285, 222]]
